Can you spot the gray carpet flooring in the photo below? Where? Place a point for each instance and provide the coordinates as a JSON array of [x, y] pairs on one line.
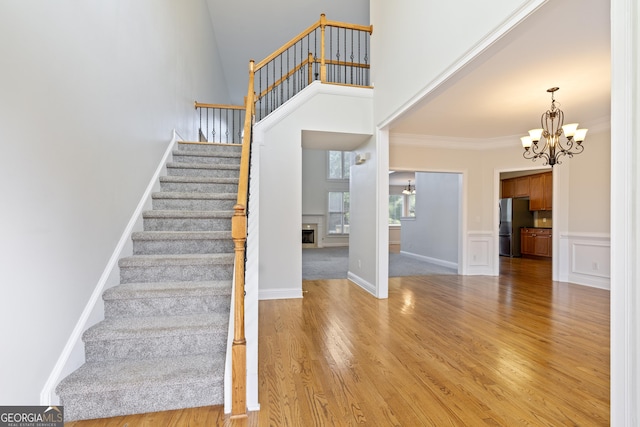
[[333, 263]]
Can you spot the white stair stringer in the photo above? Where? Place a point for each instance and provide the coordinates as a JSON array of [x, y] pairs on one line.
[[163, 342]]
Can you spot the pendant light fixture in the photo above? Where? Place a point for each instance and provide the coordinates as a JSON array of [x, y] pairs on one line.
[[552, 122], [409, 189]]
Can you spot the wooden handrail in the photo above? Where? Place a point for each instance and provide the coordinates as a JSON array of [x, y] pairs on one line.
[[367, 28], [283, 78], [322, 22], [239, 236], [197, 104], [286, 46]]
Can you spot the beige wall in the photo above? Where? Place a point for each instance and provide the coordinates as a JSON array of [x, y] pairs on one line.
[[589, 186], [582, 183]]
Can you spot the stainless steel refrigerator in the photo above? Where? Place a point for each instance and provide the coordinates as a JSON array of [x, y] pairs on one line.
[[514, 214]]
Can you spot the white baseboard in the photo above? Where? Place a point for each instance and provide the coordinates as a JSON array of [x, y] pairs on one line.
[[72, 355], [435, 261], [280, 293], [367, 286], [479, 270]]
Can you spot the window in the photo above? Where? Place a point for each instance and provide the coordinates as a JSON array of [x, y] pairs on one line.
[[411, 205], [396, 208], [338, 212], [401, 205], [339, 164]]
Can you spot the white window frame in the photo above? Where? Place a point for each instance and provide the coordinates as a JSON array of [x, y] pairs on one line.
[[344, 168], [344, 228]]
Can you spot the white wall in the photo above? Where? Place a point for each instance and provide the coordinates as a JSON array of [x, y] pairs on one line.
[[434, 233], [366, 223], [411, 35], [91, 92], [625, 215], [279, 140]]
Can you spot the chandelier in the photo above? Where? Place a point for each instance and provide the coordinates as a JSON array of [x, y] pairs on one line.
[[409, 189], [552, 122]]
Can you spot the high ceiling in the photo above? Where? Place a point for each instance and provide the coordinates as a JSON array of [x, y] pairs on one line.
[[566, 43], [247, 29]]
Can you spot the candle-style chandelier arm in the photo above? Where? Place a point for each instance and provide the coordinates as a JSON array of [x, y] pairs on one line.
[[535, 152]]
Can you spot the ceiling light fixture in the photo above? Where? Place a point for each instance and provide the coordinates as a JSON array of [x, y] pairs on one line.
[[552, 122], [409, 189]]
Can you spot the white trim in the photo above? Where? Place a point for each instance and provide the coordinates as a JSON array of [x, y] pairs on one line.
[[369, 287], [381, 285], [47, 395], [519, 15], [455, 143], [292, 105], [267, 294], [585, 259], [625, 333], [479, 262], [436, 261], [477, 144]]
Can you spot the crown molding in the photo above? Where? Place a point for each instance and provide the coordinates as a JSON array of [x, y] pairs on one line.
[[602, 124]]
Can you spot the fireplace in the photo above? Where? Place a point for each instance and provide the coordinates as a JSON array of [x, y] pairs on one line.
[[309, 235]]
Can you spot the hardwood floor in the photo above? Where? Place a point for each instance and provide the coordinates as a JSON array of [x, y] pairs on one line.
[[512, 350]]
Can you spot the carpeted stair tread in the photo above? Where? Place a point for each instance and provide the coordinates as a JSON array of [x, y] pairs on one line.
[[204, 153], [181, 235], [209, 146], [168, 290], [198, 179], [163, 342], [160, 326], [175, 260], [169, 213], [203, 166], [128, 374], [172, 219], [193, 195]]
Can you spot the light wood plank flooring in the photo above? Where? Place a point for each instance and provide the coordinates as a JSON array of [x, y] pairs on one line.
[[441, 351]]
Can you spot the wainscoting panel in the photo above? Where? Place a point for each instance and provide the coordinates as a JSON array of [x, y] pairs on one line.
[[587, 259], [480, 253]]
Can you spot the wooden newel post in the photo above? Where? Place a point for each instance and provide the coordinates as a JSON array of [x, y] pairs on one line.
[[310, 61], [239, 347], [323, 66]]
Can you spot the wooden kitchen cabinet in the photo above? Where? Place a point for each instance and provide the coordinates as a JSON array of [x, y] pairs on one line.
[[508, 188], [536, 242], [541, 192], [522, 186]]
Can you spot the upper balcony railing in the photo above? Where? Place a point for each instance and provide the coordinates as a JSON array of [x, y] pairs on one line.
[[329, 51], [220, 123]]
